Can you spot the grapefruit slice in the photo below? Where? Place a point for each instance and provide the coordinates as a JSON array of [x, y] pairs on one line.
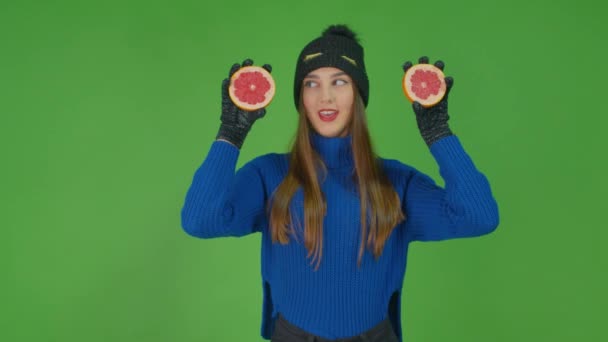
[[251, 88], [424, 83]]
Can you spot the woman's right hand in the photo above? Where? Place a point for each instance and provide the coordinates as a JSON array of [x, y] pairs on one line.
[[236, 122], [433, 121]]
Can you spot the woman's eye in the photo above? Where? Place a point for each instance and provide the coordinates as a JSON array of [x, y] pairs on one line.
[[340, 82], [310, 84]]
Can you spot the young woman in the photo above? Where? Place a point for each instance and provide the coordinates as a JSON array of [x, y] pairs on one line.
[[335, 219]]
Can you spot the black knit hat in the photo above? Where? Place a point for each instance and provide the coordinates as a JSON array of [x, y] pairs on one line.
[[337, 47]]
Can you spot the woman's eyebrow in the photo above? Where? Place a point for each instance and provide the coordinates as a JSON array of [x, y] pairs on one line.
[[341, 73]]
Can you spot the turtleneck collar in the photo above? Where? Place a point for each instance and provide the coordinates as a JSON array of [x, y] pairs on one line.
[[335, 152]]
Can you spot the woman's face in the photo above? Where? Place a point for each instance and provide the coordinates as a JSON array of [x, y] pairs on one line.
[[328, 96]]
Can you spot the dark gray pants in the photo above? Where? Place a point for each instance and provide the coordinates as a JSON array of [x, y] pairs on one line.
[[287, 332]]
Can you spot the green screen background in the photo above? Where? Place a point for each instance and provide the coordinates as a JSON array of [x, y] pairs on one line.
[[108, 107]]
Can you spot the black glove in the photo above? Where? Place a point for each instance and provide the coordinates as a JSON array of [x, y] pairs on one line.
[[432, 121], [236, 122]]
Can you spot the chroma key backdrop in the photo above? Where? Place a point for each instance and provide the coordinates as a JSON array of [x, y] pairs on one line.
[[109, 107]]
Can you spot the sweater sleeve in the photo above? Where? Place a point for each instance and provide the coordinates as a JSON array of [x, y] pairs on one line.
[[465, 208], [222, 202]]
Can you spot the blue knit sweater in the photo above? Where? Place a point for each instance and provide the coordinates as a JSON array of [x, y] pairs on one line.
[[338, 300]]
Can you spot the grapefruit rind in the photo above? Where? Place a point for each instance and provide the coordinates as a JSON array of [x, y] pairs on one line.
[[268, 96], [407, 85]]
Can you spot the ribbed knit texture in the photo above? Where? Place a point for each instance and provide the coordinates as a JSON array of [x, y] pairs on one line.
[[338, 300]]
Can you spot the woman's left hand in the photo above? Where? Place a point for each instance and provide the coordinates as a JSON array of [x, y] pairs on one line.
[[432, 121]]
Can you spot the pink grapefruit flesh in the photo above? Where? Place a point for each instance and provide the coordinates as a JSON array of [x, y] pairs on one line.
[[251, 88], [424, 83]]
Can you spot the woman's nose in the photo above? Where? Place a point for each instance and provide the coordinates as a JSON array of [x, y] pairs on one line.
[[327, 95]]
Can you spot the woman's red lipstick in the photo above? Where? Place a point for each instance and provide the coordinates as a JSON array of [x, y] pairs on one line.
[[328, 115]]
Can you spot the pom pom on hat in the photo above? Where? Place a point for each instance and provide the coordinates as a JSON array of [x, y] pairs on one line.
[[340, 30]]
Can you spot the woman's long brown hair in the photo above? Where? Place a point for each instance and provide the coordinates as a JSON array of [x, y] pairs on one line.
[[380, 204]]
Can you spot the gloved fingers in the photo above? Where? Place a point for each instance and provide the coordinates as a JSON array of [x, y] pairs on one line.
[[417, 107], [255, 114], [268, 67], [406, 66], [247, 62], [423, 60], [233, 69], [439, 64], [261, 113], [449, 82], [225, 85]]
